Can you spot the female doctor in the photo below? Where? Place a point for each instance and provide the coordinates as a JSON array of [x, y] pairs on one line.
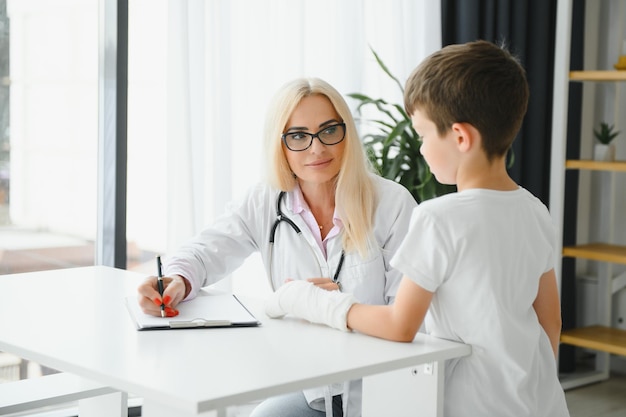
[[321, 215]]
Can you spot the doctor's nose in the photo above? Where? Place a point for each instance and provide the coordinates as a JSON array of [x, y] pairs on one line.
[[317, 146]]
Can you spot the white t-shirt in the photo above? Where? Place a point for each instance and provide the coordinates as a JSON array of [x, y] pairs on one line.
[[482, 253]]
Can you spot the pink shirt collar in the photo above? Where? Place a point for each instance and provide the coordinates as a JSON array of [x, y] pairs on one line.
[[299, 206]]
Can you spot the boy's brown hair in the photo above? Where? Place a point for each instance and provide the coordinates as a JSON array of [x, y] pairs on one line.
[[477, 83]]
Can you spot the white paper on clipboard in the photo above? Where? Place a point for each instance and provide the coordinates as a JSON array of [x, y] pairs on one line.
[[204, 311]]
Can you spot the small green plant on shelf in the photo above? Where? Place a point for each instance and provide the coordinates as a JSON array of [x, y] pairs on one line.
[[605, 133]]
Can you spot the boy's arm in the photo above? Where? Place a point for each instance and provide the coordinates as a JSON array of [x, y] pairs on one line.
[[399, 321], [548, 308]]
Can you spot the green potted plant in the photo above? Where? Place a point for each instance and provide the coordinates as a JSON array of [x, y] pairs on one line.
[[604, 150], [393, 146]]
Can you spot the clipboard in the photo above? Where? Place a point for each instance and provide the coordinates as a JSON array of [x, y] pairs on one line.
[[204, 311]]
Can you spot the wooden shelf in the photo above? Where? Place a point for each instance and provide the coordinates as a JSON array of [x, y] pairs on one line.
[[597, 252], [611, 75], [605, 339], [596, 165]]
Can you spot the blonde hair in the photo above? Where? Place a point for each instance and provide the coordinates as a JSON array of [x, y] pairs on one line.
[[355, 193]]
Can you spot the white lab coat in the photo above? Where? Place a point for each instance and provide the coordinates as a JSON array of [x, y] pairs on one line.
[[245, 228]]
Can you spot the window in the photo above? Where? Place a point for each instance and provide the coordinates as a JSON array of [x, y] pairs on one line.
[[49, 134], [48, 140]]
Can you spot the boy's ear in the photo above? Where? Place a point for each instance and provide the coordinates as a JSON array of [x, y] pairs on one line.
[[466, 136]]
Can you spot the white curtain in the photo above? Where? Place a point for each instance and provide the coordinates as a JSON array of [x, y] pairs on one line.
[[226, 58]]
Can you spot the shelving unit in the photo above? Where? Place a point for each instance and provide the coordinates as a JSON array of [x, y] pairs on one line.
[[601, 338]]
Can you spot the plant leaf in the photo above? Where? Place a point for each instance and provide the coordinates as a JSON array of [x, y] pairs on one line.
[[382, 65], [393, 147]]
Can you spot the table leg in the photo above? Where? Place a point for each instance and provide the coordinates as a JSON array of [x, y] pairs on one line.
[[417, 390], [115, 404], [155, 409]]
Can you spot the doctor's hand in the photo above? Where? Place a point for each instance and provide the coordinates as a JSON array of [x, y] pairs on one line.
[[325, 284], [174, 291]]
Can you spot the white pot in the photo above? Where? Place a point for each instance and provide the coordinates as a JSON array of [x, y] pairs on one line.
[[602, 152]]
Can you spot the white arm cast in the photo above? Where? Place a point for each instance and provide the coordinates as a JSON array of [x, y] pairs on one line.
[[305, 300]]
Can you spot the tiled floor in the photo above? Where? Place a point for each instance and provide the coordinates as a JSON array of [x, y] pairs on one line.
[[603, 399]]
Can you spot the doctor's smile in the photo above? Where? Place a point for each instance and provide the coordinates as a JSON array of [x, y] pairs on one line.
[[320, 164]]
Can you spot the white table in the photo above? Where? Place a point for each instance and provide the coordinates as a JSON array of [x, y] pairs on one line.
[[74, 320]]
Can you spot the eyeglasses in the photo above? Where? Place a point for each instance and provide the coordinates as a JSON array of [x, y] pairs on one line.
[[301, 141]]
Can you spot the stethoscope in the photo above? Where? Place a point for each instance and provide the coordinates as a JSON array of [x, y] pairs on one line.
[[280, 217]]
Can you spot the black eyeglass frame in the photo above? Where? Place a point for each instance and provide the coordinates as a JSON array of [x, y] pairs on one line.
[[315, 135]]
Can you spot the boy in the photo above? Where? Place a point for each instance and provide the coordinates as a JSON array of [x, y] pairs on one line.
[[477, 264]]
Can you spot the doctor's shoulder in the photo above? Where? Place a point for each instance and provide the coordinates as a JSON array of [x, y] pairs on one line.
[[256, 201], [393, 212], [391, 193]]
